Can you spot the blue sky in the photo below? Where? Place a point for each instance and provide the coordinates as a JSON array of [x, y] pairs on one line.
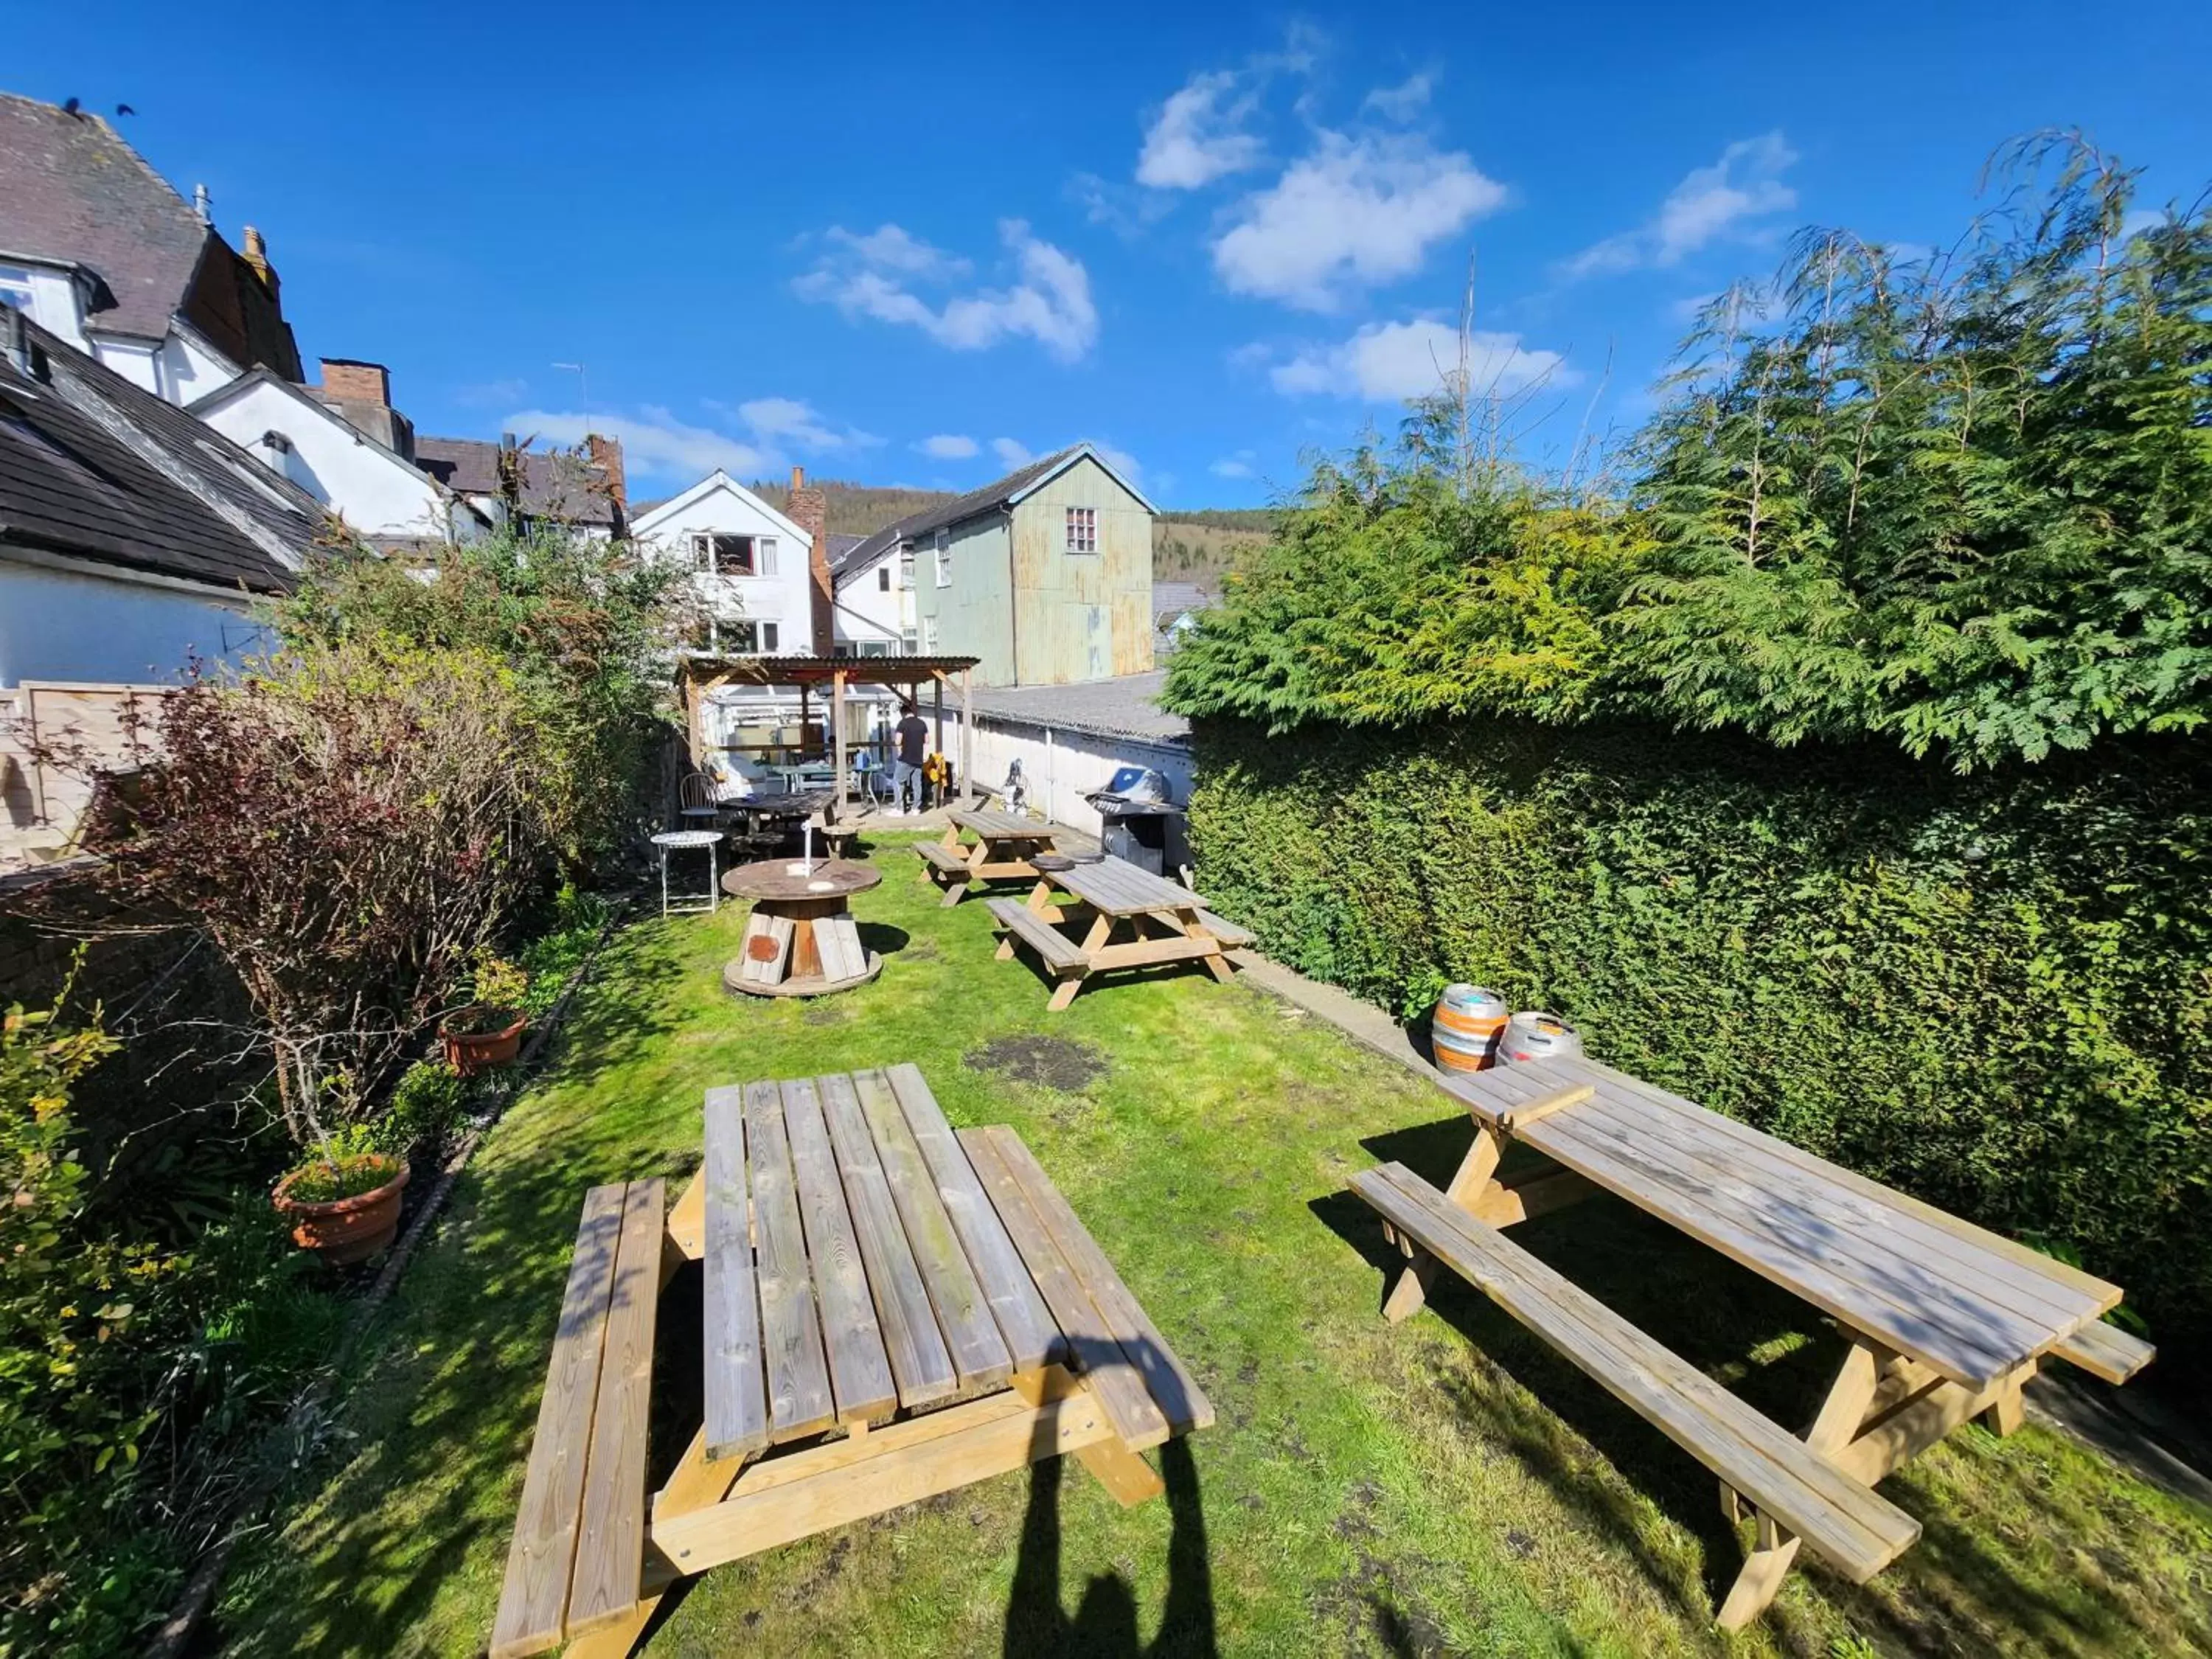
[[907, 244]]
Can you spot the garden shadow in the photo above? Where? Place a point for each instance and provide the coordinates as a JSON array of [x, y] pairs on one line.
[[882, 938], [1523, 1395], [1104, 1625]]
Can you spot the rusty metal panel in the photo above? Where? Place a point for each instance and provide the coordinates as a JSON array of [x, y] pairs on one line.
[[1082, 616]]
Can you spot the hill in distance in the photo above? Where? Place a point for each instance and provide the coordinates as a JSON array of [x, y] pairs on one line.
[[1192, 546]]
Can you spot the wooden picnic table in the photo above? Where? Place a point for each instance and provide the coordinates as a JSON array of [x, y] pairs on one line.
[[801, 939], [892, 1310], [1943, 1321], [1122, 917], [1004, 845]]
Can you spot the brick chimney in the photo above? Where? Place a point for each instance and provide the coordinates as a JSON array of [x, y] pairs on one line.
[[360, 394], [809, 510], [349, 380], [607, 455]]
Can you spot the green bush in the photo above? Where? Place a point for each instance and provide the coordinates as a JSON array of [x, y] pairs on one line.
[[1989, 990]]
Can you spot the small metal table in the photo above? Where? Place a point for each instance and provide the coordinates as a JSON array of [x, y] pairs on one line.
[[801, 940], [686, 838]]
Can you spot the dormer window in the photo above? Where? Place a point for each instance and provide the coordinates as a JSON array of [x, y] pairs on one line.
[[16, 290]]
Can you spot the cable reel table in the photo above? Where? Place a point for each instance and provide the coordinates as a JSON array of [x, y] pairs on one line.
[[800, 940]]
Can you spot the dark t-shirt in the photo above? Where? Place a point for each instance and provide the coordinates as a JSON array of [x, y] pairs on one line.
[[913, 740]]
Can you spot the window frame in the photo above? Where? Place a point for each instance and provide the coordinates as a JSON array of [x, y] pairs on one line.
[[1079, 535], [19, 279], [941, 549]]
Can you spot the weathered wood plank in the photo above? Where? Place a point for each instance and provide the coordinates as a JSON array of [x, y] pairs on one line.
[[971, 1334], [1146, 1388], [1058, 951], [859, 1370], [2106, 1350], [920, 1364], [1838, 1257], [800, 1401], [1032, 1338], [541, 1561], [1854, 1527], [610, 1541], [736, 1374]]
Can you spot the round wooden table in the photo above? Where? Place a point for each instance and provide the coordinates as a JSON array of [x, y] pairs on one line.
[[800, 940]]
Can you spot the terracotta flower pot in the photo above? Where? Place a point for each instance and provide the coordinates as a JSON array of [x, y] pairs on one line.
[[343, 1230], [470, 1052]]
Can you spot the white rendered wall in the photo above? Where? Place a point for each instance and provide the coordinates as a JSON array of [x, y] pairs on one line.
[[54, 303], [865, 611], [784, 598], [1060, 766], [136, 361], [61, 625], [379, 493], [190, 369]]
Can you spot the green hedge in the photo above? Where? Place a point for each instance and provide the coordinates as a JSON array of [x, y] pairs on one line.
[[1991, 991]]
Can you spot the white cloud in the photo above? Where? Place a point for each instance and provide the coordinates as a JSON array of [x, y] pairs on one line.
[[890, 248], [1391, 362], [947, 446], [1238, 465], [1199, 135], [1012, 454], [1050, 302], [776, 421], [1359, 210], [654, 441], [1403, 101], [1724, 200], [485, 394], [1122, 461]]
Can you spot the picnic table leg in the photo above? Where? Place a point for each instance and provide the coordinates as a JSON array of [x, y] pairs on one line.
[[1215, 961], [1475, 1178], [1041, 898], [1774, 1547], [1120, 1470], [694, 1484]]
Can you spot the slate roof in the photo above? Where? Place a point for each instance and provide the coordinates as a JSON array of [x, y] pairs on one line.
[[554, 486], [1126, 706], [863, 551], [73, 192], [93, 466]]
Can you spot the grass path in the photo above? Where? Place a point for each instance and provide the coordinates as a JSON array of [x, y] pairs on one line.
[[1447, 1486]]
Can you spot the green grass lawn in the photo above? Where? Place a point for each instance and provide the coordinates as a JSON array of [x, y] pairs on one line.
[[1443, 1487]]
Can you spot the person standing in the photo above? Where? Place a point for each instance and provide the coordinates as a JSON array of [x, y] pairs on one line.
[[911, 743]]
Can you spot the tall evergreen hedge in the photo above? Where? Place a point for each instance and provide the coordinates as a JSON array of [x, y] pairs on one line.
[[1991, 990]]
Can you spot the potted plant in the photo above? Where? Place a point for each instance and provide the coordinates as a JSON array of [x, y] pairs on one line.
[[488, 1031], [344, 1202]]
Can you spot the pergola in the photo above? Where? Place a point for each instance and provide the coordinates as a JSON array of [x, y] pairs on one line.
[[701, 676]]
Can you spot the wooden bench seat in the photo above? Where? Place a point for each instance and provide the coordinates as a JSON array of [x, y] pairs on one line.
[[944, 859], [2105, 1350], [585, 1477], [1059, 952], [1852, 1526], [1227, 932]]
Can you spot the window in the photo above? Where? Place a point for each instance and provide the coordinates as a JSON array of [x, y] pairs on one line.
[[906, 642], [15, 289], [733, 556], [875, 647], [906, 569], [726, 636], [944, 554], [883, 578], [1083, 529], [929, 636]]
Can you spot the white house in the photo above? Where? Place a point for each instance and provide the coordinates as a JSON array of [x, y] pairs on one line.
[[873, 581], [380, 492], [750, 567], [101, 252], [134, 544]]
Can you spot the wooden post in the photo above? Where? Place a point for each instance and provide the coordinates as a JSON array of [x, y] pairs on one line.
[[837, 732], [967, 731], [805, 728], [691, 718], [936, 698]]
